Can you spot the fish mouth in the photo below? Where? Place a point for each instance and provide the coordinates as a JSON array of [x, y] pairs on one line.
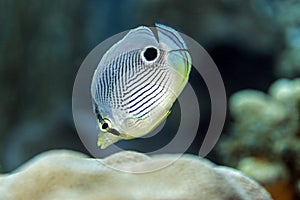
[[106, 139]]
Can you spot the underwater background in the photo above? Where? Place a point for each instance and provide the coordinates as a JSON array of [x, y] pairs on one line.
[[255, 44]]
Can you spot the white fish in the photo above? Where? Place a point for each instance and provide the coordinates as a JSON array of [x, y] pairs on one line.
[[137, 81]]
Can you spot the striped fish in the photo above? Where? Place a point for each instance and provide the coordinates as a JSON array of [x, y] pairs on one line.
[[137, 81]]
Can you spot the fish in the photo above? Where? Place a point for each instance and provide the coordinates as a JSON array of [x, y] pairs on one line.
[[137, 81]]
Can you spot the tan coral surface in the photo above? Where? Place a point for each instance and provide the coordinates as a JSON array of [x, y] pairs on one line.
[[63, 174]]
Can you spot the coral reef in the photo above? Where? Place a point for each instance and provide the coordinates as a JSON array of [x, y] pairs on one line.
[[62, 174], [265, 137], [273, 175], [288, 17]]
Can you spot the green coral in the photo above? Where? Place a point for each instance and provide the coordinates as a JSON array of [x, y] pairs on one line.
[[266, 126], [288, 18]]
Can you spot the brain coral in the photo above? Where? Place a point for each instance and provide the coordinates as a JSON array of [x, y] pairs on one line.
[[65, 174]]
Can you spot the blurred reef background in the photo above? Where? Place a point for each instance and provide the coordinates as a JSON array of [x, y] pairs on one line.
[[255, 44]]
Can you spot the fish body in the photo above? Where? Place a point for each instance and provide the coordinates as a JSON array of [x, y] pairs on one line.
[[137, 81]]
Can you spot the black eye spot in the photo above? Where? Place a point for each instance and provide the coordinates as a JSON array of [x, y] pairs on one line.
[[150, 54], [104, 126]]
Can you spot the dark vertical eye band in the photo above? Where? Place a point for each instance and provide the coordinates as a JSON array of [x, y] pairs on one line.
[[105, 124], [99, 117]]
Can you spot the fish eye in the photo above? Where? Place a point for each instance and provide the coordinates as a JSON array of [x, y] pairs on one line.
[[105, 125], [150, 54]]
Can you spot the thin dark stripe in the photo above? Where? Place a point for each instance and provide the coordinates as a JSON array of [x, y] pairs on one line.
[[120, 74], [100, 87], [159, 81], [124, 70], [139, 87], [142, 113], [163, 93], [160, 99], [106, 83], [132, 111], [132, 100], [148, 74], [143, 76], [148, 94], [113, 82], [155, 80]]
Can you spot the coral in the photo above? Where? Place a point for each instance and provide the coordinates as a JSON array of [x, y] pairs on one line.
[[265, 128], [288, 17], [62, 174], [274, 176], [263, 170]]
